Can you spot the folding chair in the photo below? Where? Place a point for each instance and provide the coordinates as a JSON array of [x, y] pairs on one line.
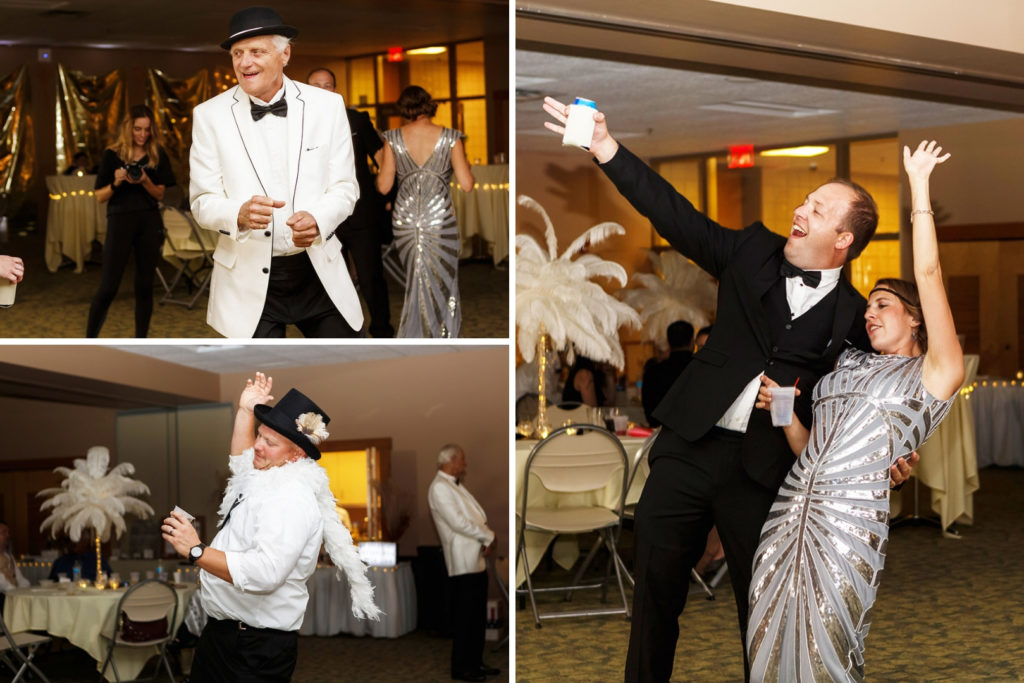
[[23, 647], [185, 249], [575, 460], [641, 464], [148, 601]]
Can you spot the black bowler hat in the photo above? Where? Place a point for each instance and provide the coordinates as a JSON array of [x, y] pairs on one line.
[[256, 21], [297, 419]]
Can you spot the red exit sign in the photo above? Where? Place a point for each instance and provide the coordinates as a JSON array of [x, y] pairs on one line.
[[741, 156]]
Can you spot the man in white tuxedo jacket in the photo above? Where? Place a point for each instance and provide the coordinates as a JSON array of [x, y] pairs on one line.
[[466, 540], [271, 171]]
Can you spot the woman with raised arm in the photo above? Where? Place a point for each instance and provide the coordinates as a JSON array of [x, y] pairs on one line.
[[816, 571]]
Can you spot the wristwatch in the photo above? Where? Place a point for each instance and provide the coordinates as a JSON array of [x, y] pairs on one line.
[[196, 552]]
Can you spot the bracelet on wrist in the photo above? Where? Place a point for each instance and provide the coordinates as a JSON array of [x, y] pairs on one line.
[[917, 211]]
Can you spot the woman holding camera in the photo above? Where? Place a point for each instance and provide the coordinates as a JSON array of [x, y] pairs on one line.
[[132, 177]]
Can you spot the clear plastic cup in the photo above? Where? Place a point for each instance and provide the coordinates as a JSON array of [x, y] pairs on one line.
[[782, 406], [621, 424]]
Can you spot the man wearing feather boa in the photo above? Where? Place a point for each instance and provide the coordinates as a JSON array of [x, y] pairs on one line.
[[276, 512]]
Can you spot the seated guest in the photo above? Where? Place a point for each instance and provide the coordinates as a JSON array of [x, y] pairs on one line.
[[586, 384], [80, 165], [10, 575], [83, 553], [658, 378]]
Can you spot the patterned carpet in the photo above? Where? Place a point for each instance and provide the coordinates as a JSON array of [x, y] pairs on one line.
[[947, 610], [413, 657], [51, 305]]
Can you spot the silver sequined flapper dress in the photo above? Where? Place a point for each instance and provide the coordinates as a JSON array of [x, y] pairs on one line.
[[427, 239], [816, 570]]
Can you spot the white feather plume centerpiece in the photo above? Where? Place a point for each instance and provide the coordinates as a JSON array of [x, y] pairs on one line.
[[555, 294], [557, 300], [90, 497], [678, 289]]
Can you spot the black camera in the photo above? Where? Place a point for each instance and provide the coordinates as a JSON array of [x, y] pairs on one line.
[[134, 171]]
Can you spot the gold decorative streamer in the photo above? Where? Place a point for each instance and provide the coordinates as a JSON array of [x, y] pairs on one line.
[[89, 109], [172, 101], [17, 144]]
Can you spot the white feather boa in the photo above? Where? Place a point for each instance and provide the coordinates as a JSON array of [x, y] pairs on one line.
[[245, 479]]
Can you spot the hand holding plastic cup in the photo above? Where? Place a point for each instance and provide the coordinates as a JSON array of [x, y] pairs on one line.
[[782, 405]]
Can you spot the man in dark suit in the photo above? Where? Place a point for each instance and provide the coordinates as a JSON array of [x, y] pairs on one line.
[[718, 461], [659, 377], [360, 233]]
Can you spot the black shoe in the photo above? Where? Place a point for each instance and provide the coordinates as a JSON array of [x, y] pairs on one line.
[[469, 676], [489, 670]]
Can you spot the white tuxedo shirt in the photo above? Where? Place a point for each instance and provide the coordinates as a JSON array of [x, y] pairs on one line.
[[461, 524], [229, 164]]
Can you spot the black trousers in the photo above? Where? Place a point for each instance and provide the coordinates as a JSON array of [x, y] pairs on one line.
[[469, 621], [228, 653], [295, 296], [362, 245], [692, 486], [143, 233]]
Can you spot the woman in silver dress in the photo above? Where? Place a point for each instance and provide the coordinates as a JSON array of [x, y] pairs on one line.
[[423, 156], [822, 548]]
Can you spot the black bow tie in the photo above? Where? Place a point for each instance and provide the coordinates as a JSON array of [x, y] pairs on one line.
[[258, 111], [811, 278]]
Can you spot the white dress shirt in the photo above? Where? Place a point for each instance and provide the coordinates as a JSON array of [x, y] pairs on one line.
[[273, 136], [801, 299], [272, 542], [461, 524], [8, 563]]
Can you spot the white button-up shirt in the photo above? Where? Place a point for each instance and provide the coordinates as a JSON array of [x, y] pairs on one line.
[[274, 139], [272, 542], [801, 299]]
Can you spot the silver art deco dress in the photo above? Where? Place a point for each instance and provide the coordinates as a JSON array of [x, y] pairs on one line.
[[816, 570], [427, 239]]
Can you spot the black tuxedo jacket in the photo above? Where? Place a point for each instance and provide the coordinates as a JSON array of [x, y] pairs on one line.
[[746, 264]]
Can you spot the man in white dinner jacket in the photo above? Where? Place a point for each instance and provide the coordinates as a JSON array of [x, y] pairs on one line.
[[271, 171], [466, 540]]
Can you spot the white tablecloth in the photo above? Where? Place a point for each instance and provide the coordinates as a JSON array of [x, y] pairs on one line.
[[484, 210], [329, 611], [73, 220], [566, 550], [998, 409], [949, 463], [81, 617]]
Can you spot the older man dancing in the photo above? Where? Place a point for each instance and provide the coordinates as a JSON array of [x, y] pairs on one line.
[[272, 171]]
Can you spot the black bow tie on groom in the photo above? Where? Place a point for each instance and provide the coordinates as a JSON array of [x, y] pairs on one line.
[[811, 278], [258, 111]]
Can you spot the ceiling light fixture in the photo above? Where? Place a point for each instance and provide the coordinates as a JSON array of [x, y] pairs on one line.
[[427, 51], [768, 109], [803, 151]]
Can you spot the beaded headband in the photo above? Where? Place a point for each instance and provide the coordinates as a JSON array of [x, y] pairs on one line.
[[894, 293]]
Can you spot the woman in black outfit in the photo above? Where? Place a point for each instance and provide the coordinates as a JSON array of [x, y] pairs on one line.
[[132, 177]]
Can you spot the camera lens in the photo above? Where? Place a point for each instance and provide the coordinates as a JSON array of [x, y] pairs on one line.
[[134, 171]]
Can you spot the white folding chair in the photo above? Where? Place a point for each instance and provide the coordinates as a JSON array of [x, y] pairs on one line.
[[148, 601], [185, 249], [22, 647], [578, 459]]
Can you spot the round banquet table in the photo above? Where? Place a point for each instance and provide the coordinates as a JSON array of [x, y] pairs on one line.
[[566, 550], [81, 616], [329, 611]]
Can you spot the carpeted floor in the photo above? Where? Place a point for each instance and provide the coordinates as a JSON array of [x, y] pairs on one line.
[[413, 657], [947, 610], [56, 305]]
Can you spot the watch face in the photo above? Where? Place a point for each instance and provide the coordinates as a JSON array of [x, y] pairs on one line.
[[196, 552]]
